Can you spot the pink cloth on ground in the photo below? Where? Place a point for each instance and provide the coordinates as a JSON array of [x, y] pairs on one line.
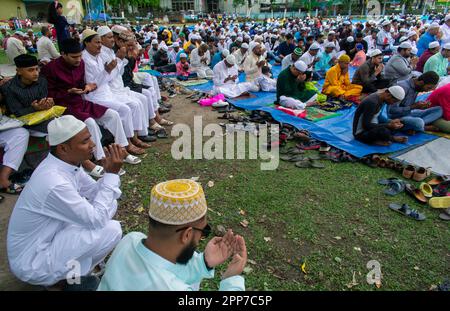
[[209, 101]]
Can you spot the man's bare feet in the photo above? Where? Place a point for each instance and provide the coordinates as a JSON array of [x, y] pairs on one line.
[[382, 143], [132, 149], [400, 139]]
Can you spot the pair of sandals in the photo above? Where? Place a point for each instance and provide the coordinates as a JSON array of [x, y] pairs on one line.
[[417, 174]]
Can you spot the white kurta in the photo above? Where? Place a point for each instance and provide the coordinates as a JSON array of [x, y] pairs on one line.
[[446, 34], [14, 143], [197, 65], [46, 49], [96, 73], [230, 88], [308, 59], [240, 58], [62, 215], [118, 89], [286, 62], [252, 71]]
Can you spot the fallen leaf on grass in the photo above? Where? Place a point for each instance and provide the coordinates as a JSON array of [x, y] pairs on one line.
[[416, 268], [231, 176], [195, 178], [267, 239], [144, 155], [248, 270], [337, 259], [357, 248], [353, 282], [303, 267], [242, 212], [210, 184], [140, 209], [252, 262], [338, 238], [244, 223]]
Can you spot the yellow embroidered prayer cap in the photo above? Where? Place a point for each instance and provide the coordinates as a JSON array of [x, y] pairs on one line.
[[88, 33], [177, 202], [344, 58]]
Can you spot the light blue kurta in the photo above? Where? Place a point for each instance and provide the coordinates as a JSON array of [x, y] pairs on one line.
[[134, 267]]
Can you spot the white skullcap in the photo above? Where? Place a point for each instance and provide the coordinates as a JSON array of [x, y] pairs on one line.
[[434, 25], [103, 30], [403, 30], [332, 32], [118, 29], [231, 59], [374, 53], [350, 39], [183, 55], [314, 46], [411, 33], [19, 33], [239, 39], [221, 37], [154, 41], [177, 28], [414, 51], [244, 45], [300, 66], [175, 45], [403, 39], [164, 48], [385, 23], [63, 128], [433, 45], [405, 45], [397, 91], [253, 45], [329, 45], [447, 46], [225, 53]]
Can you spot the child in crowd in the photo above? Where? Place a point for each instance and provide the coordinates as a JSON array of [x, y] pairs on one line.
[[183, 69]]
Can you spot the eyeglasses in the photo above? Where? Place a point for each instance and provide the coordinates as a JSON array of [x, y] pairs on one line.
[[205, 231]]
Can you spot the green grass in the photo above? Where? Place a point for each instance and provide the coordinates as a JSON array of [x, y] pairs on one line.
[[3, 58], [302, 211]]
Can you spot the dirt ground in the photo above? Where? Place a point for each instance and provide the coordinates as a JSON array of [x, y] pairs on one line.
[[183, 111]]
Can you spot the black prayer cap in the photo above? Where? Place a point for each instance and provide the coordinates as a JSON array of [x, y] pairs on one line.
[[70, 46], [25, 61]]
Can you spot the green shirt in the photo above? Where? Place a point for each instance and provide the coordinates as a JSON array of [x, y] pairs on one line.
[[438, 64], [287, 85]]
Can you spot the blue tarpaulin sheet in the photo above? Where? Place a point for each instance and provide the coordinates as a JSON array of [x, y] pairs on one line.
[[336, 131]]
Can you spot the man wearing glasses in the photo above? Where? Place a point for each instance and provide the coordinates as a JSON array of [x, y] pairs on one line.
[[166, 259]]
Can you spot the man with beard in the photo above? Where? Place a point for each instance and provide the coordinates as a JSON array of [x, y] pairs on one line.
[[254, 62], [166, 259]]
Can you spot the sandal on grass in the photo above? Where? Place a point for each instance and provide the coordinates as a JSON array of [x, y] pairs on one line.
[[13, 188], [165, 122], [130, 159], [395, 186], [405, 210], [440, 202], [416, 193]]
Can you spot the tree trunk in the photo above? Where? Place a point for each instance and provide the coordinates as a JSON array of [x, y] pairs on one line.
[[384, 8], [349, 9]]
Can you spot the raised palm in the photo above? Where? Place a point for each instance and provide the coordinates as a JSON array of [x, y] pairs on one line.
[[219, 249]]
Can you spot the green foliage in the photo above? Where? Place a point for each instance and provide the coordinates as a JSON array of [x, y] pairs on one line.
[[238, 3]]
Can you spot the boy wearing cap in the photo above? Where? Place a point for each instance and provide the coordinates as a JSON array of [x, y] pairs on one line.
[[401, 65], [183, 69], [63, 217], [291, 58], [369, 74], [337, 81], [428, 37], [166, 259], [366, 125], [433, 48], [439, 62]]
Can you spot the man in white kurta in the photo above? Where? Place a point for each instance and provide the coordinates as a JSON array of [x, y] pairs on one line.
[[253, 62], [61, 225], [200, 59], [15, 46], [116, 83], [45, 47], [167, 260], [226, 79], [445, 29], [240, 55]]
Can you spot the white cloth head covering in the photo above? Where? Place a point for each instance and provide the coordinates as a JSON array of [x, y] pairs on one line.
[[118, 29], [433, 45], [225, 53], [434, 25], [63, 128], [175, 45], [405, 45], [385, 23], [244, 45], [300, 66], [403, 39], [374, 53], [103, 30], [253, 44], [411, 33], [164, 48], [329, 45], [397, 91], [314, 46], [183, 55], [332, 32], [350, 39], [239, 39], [447, 46], [414, 51], [154, 41], [231, 59]]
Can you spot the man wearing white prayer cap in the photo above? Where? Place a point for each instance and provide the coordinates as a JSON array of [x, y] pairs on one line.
[[166, 259], [310, 58], [366, 126], [254, 61], [439, 62], [429, 36], [226, 79], [370, 74], [291, 91], [401, 65], [385, 41], [433, 48], [240, 55], [63, 217]]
